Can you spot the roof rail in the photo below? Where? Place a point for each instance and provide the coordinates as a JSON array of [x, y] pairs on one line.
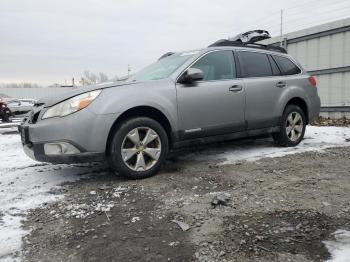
[[225, 42], [166, 55]]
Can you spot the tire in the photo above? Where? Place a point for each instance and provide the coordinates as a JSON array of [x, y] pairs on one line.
[[129, 145], [292, 127]]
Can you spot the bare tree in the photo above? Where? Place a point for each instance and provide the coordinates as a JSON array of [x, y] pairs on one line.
[[20, 85], [89, 78], [102, 77], [114, 78]]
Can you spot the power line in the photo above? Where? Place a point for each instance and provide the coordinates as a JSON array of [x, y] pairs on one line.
[[289, 17], [273, 15], [321, 10], [289, 22], [312, 8], [301, 27], [328, 17], [307, 4]]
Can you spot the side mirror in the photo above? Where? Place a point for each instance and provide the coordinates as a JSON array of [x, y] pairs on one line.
[[192, 75]]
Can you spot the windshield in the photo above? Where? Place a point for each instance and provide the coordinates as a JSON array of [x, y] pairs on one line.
[[162, 68]]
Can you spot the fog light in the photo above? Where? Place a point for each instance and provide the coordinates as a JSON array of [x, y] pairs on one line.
[[60, 148]]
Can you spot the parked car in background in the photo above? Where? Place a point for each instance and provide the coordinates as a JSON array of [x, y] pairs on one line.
[[227, 91], [5, 112], [21, 106]]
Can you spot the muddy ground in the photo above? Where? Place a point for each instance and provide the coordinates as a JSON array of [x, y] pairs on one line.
[[274, 209]]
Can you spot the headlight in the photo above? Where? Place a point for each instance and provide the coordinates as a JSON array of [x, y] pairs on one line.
[[71, 105]]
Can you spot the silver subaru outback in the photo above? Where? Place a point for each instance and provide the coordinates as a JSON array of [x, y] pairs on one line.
[[227, 91]]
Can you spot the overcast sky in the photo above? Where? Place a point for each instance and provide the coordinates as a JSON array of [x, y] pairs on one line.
[[50, 41]]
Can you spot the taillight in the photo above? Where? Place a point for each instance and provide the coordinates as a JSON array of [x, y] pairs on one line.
[[313, 81]]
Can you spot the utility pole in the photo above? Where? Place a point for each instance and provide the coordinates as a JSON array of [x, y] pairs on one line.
[[129, 70], [281, 31]]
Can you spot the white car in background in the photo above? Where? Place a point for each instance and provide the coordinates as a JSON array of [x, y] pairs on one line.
[[21, 106]]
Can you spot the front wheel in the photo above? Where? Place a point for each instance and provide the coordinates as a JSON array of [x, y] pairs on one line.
[[138, 148], [292, 128]]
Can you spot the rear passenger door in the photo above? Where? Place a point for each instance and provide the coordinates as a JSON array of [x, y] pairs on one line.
[[264, 85]]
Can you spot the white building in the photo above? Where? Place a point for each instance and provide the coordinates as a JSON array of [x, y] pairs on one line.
[[324, 51]]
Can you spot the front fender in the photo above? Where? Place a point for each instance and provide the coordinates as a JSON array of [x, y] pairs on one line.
[[160, 95]]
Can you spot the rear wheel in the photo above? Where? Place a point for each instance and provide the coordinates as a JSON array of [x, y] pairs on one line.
[[138, 148], [292, 128]]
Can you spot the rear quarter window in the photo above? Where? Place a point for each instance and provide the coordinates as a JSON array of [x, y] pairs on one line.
[[275, 69], [254, 64], [286, 65]]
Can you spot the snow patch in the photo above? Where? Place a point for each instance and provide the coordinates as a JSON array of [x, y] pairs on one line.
[[26, 184], [84, 210], [340, 247], [316, 139], [120, 190], [135, 219], [11, 124]]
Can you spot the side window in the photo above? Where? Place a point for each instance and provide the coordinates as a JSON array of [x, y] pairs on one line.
[[218, 65], [287, 66], [275, 70], [255, 64]]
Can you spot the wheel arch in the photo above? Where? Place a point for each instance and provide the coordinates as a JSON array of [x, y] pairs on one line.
[[141, 111], [298, 101]]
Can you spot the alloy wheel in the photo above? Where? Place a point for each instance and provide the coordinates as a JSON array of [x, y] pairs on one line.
[[294, 126], [141, 149]]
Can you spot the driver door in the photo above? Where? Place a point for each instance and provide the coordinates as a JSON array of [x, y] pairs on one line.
[[214, 105]]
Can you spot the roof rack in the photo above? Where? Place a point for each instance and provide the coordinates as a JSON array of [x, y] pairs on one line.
[[251, 36], [225, 42]]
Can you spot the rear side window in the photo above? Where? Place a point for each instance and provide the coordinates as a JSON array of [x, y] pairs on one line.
[[254, 64], [287, 67], [218, 65], [275, 70]]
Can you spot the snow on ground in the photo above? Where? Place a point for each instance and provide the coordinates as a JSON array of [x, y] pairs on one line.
[[340, 247], [11, 124], [316, 139], [25, 184], [14, 119], [15, 122]]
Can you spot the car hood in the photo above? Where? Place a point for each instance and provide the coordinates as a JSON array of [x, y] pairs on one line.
[[52, 100]]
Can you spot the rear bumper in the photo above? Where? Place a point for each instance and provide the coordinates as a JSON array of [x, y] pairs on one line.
[[314, 108]]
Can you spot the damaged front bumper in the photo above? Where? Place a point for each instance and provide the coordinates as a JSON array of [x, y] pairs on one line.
[[58, 152], [76, 138]]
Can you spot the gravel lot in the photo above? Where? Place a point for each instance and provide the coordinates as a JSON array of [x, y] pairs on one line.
[[237, 201]]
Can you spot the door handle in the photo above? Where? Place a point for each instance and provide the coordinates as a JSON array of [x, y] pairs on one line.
[[235, 88], [281, 84]]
